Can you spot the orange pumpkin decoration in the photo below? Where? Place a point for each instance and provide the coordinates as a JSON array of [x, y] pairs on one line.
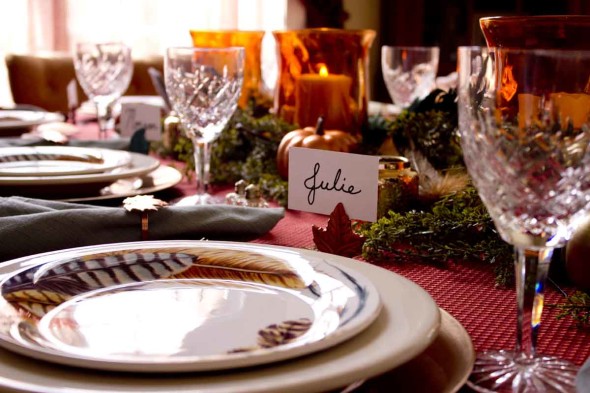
[[313, 138]]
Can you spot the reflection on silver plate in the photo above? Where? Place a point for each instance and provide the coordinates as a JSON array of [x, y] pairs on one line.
[[59, 160], [407, 325], [22, 120], [162, 178], [175, 307]]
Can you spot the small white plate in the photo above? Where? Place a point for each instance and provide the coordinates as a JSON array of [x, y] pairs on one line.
[[59, 160], [140, 165], [177, 308], [17, 119], [161, 179], [407, 325], [76, 186]]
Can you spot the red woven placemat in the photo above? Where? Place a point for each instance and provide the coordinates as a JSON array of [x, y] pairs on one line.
[[467, 291]]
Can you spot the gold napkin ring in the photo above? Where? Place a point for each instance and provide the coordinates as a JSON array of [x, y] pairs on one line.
[[143, 204], [145, 226]]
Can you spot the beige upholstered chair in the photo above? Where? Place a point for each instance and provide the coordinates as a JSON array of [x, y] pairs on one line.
[[41, 80]]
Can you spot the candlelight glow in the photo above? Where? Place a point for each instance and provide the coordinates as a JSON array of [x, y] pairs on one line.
[[323, 70], [509, 84]]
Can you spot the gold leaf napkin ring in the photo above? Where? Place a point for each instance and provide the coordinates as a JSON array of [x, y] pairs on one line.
[[143, 204]]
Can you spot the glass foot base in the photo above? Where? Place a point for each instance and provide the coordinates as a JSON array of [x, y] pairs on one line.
[[503, 371], [204, 199]]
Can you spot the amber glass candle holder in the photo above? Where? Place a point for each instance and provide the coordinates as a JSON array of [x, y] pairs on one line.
[[537, 32], [323, 72], [252, 43], [562, 32]]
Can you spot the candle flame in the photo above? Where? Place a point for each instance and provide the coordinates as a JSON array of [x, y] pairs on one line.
[[323, 69], [509, 84]]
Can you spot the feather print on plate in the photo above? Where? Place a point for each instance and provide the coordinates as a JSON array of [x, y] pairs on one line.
[[278, 334], [172, 306], [56, 283], [243, 266], [51, 157]]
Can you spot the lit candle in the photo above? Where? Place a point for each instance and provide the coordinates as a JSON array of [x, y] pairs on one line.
[[529, 110], [571, 109], [326, 95]]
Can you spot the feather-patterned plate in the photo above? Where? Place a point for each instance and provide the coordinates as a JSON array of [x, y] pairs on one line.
[[181, 306], [59, 160]]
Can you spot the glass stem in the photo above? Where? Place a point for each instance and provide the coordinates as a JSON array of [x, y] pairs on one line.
[[103, 115], [202, 154], [531, 268]]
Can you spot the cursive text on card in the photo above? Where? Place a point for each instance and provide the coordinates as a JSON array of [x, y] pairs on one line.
[[335, 184]]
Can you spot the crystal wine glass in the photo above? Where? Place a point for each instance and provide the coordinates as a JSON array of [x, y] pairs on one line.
[[409, 72], [104, 71], [204, 86], [524, 118]]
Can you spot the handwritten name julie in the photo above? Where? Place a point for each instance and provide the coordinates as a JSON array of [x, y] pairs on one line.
[[311, 184]]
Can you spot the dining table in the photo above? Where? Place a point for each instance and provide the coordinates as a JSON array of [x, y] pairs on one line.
[[466, 292]]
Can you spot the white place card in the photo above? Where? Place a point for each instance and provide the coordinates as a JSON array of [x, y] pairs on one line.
[[135, 116], [319, 179]]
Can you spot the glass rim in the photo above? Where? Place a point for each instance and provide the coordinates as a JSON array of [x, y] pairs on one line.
[[217, 31], [472, 47], [205, 49], [536, 51], [416, 47], [96, 43], [540, 18], [326, 30]]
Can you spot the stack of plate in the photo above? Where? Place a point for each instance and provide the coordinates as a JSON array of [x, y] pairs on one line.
[[264, 318], [16, 122], [77, 173]]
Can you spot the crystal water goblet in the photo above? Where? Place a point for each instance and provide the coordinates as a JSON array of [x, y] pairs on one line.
[[204, 86], [409, 72], [524, 119], [104, 71]]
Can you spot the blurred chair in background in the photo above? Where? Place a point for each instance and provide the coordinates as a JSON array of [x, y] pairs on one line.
[[41, 80]]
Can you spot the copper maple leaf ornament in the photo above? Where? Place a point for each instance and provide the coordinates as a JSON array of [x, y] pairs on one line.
[[338, 237]]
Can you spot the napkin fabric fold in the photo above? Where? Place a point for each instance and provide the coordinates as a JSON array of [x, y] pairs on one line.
[[583, 377], [30, 226]]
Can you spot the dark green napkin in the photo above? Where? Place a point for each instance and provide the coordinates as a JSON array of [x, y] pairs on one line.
[[30, 226], [583, 377]]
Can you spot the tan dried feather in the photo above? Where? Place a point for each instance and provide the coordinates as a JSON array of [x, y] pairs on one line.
[[242, 266], [433, 189], [230, 265]]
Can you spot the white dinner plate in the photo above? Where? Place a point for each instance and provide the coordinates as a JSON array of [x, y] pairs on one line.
[[59, 160], [406, 326], [18, 119], [160, 179], [75, 186], [175, 307]]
